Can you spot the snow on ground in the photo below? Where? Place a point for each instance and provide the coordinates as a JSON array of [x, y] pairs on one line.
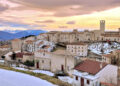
[[66, 79], [19, 68], [11, 78], [36, 71], [105, 47], [2, 61], [43, 72]]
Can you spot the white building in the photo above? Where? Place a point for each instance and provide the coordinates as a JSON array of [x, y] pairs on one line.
[[32, 46], [79, 49], [92, 73]]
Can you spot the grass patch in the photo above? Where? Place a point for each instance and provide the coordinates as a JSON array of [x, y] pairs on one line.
[[39, 75]]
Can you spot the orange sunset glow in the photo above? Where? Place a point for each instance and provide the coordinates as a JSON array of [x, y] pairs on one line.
[[59, 15]]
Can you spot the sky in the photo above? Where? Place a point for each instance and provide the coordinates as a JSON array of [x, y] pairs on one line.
[[60, 15]]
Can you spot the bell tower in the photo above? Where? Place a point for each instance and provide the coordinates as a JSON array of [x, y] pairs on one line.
[[102, 26]]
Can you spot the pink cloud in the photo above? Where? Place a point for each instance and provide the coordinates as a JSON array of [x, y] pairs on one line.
[[71, 22]]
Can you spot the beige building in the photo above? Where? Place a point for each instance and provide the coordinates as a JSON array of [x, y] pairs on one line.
[[108, 58], [117, 55], [16, 44], [78, 49], [42, 60], [85, 36], [22, 57], [54, 61], [112, 58]]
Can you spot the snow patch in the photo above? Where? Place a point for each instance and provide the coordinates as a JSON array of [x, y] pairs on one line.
[[103, 48], [43, 72], [11, 78], [66, 79]]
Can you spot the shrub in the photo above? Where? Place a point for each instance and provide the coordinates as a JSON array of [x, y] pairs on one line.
[[29, 63]]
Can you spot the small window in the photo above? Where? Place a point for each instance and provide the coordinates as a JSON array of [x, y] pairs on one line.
[[42, 61], [43, 54], [88, 82], [76, 77]]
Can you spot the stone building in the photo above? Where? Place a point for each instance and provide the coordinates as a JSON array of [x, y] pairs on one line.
[[78, 49], [16, 44], [84, 36], [55, 61], [92, 73]]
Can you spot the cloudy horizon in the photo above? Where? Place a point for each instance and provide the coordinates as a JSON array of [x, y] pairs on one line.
[[59, 14]]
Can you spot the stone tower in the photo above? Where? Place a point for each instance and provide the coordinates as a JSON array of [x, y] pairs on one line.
[[102, 26]]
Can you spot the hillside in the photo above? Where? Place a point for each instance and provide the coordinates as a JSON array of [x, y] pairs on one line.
[[8, 35]]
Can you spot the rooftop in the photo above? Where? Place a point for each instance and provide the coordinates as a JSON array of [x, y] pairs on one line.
[[62, 52], [118, 51], [77, 43], [30, 41], [5, 46], [90, 66], [16, 40], [108, 55]]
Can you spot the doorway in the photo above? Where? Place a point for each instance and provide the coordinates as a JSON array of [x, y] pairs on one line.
[[82, 81], [37, 65], [62, 67]]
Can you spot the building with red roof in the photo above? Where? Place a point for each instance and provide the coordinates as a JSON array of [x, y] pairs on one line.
[[91, 73]]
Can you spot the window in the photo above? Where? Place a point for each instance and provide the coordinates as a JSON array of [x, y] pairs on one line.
[[76, 77], [88, 82], [43, 54], [42, 61]]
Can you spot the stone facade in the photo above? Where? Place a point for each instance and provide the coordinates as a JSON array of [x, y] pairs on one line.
[[76, 36], [78, 49], [16, 45], [54, 61]]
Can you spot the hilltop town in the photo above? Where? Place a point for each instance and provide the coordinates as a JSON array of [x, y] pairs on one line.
[[86, 58]]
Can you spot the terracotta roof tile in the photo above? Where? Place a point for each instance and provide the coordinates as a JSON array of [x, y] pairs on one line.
[[40, 43], [77, 43], [16, 40], [108, 55], [106, 84], [90, 66], [118, 51], [5, 46]]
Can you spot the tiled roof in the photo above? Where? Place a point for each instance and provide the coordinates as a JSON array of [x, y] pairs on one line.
[[110, 35], [47, 46], [42, 50], [117, 51], [20, 54], [5, 46], [90, 66], [108, 55], [40, 43], [30, 41], [77, 43], [106, 84], [16, 40]]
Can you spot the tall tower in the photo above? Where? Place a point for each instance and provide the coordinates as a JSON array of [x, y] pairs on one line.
[[102, 26]]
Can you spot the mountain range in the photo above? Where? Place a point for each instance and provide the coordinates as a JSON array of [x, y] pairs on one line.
[[9, 34]]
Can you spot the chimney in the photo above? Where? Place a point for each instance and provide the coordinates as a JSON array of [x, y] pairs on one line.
[[101, 65]]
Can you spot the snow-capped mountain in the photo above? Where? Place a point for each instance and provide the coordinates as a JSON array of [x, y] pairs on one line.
[[9, 34]]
